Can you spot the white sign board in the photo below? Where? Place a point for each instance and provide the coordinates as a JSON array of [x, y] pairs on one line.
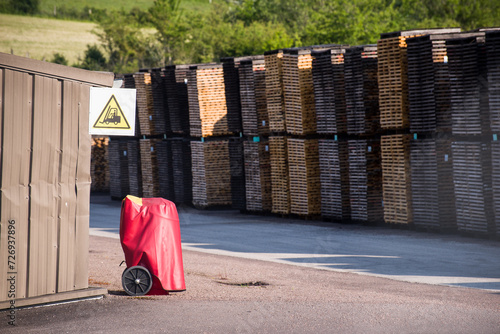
[[112, 111]]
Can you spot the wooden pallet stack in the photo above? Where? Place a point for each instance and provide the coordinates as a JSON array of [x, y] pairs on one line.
[[237, 162], [171, 99], [149, 167], [164, 160], [118, 167], [144, 102], [365, 180], [248, 98], [274, 90], [231, 80], [361, 90], [161, 122], [492, 41], [257, 176], [304, 176], [280, 183], [334, 179], [133, 155], [473, 190], [207, 101], [211, 173], [446, 188], [396, 179], [99, 166], [298, 88]]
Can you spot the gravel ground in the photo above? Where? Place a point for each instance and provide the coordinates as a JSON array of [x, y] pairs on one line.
[[232, 295]]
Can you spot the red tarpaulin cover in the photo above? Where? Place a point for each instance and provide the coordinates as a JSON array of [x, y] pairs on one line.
[[151, 237]]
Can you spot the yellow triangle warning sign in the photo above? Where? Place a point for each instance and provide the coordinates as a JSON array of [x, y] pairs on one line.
[[111, 116]]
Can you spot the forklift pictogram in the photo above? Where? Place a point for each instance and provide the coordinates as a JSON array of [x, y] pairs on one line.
[[112, 116]]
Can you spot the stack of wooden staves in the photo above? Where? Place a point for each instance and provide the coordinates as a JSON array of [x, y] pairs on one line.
[[144, 102], [161, 122], [280, 187], [236, 157], [300, 112], [133, 155], [118, 167], [211, 173], [361, 90], [274, 90], [149, 167], [248, 98], [231, 85], [164, 159], [334, 179], [365, 180], [99, 168], [305, 187], [257, 176]]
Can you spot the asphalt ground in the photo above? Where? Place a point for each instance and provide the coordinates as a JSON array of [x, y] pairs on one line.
[[230, 290]]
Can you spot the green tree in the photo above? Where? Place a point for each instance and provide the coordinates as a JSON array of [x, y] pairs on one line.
[[58, 58], [93, 59], [29, 7]]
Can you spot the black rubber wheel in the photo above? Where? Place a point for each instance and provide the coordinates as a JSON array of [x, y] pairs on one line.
[[137, 281]]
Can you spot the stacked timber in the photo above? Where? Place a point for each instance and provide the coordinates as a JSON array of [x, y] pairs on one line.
[[334, 179], [176, 98], [133, 155], [118, 166], [365, 180], [492, 41], [466, 63], [396, 181], [280, 184], [211, 173], [166, 178], [446, 189], [274, 90], [207, 101], [495, 176], [236, 157], [149, 167], [144, 101], [257, 176], [161, 122], [253, 97], [473, 186], [298, 88], [304, 176], [231, 85], [99, 167], [361, 90]]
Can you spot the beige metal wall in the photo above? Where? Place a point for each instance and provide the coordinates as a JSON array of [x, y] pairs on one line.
[[45, 174]]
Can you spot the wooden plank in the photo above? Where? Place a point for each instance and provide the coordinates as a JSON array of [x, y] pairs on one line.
[[17, 117], [44, 195]]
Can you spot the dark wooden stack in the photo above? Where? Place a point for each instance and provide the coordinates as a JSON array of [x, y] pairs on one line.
[[334, 178], [470, 114], [144, 101], [324, 92], [99, 167], [473, 186], [495, 176], [207, 101], [280, 184], [298, 88], [165, 170], [446, 189], [211, 173], [365, 180], [248, 99], [231, 82], [149, 167], [118, 166], [161, 122], [396, 180], [129, 82], [176, 97], [429, 83], [257, 176], [304, 175], [134, 167], [187, 171], [274, 90], [236, 157], [492, 41], [361, 90]]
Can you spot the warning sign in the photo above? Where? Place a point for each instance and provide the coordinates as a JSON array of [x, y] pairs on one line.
[[112, 111]]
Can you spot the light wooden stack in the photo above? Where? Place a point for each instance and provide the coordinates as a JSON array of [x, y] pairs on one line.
[[211, 173], [334, 178], [304, 173], [396, 179], [257, 176], [280, 186], [274, 90], [144, 101], [298, 88], [207, 101]]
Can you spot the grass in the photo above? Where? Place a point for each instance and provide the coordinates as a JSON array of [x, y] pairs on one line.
[[40, 38], [47, 6]]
